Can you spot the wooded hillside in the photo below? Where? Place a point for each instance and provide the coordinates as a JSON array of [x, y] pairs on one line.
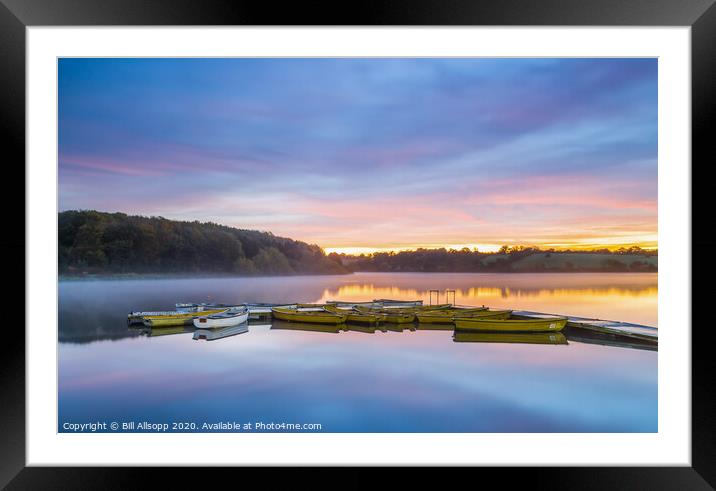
[[97, 242]]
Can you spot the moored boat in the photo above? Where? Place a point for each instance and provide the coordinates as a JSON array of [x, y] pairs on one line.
[[446, 316], [228, 318], [138, 317], [176, 318], [350, 305], [394, 316], [310, 306], [355, 316], [397, 303], [553, 324], [318, 316], [399, 317], [200, 307], [414, 308]]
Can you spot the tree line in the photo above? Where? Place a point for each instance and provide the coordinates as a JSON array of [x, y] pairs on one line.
[[116, 243], [507, 259], [97, 242]]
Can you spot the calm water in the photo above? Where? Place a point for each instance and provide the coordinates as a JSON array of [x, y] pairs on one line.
[[409, 381]]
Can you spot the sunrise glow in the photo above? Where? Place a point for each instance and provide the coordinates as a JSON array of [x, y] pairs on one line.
[[366, 155]]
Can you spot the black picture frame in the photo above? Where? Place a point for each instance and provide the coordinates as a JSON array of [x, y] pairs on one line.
[[700, 15]]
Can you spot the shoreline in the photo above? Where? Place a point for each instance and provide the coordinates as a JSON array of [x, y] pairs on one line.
[[189, 276]]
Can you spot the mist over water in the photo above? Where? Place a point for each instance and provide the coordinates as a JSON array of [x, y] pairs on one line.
[[409, 381]]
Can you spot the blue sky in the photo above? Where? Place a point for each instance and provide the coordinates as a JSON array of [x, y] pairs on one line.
[[370, 154]]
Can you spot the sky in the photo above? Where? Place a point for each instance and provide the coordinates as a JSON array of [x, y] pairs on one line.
[[361, 155]]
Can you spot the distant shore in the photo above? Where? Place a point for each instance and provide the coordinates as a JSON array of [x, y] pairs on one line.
[[189, 276], [99, 245]]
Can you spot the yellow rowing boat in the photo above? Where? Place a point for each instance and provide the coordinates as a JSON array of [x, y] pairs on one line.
[[545, 324], [177, 318], [317, 317], [446, 316], [357, 316], [394, 316]]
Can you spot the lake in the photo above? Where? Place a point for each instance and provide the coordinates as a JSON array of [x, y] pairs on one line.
[[282, 379]]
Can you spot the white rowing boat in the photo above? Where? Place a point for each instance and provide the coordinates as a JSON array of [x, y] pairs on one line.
[[231, 317]]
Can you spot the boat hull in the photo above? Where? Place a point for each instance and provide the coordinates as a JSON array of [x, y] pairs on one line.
[[310, 317], [356, 317], [510, 325], [446, 317], [176, 318], [209, 323], [393, 316], [167, 321], [400, 318]]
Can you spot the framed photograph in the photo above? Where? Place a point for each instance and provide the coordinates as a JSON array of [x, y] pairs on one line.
[[424, 236]]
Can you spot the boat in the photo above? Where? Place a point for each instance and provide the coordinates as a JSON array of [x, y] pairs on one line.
[[510, 337], [200, 307], [138, 317], [358, 317], [397, 303], [350, 305], [263, 310], [168, 321], [305, 326], [318, 316], [223, 332], [186, 307], [619, 329], [414, 308], [393, 316], [228, 318], [399, 317], [176, 318], [553, 324], [310, 306], [445, 316]]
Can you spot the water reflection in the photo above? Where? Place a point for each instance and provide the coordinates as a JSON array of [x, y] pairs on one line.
[[628, 297], [524, 338], [305, 326], [424, 326], [168, 331], [220, 333], [571, 334], [395, 380], [363, 329], [588, 337]]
